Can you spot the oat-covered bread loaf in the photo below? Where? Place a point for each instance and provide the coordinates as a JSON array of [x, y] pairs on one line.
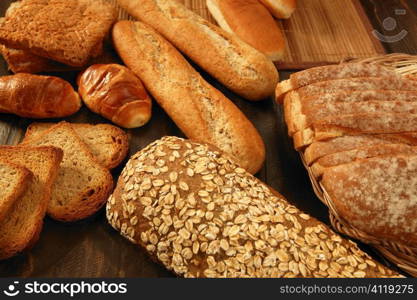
[[201, 215], [67, 31]]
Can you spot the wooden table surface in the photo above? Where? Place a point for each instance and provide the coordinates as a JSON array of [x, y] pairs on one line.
[[91, 248]]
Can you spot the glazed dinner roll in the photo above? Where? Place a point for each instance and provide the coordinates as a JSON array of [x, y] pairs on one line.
[[200, 215]]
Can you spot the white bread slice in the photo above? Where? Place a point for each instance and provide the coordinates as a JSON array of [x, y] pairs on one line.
[[329, 73], [350, 142], [21, 227], [377, 196], [82, 185], [14, 180], [349, 156], [109, 144], [355, 124]]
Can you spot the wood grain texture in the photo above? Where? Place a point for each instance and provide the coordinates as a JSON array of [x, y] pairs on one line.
[[91, 248]]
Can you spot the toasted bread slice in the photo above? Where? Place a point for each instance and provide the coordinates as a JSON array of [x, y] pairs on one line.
[[65, 31], [82, 185], [109, 144], [377, 196], [372, 123], [22, 224], [349, 156], [14, 180], [325, 73]]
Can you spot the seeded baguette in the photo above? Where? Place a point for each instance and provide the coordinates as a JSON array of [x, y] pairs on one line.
[[238, 66], [82, 185], [14, 180], [109, 144], [20, 229], [202, 112], [200, 215]]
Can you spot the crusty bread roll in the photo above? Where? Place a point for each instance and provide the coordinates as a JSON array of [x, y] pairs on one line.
[[199, 110], [226, 57], [116, 93], [281, 9], [252, 22], [34, 96], [201, 215]]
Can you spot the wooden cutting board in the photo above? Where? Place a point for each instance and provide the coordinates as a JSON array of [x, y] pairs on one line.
[[319, 32]]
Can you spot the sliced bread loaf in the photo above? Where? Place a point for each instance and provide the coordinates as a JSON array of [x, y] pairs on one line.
[[21, 226], [14, 180], [109, 144], [82, 185]]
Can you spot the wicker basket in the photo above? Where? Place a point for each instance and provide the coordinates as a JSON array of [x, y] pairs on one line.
[[402, 256]]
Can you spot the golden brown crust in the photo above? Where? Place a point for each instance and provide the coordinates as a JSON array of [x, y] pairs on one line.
[[116, 93], [199, 110], [200, 215], [35, 96], [281, 9], [109, 144], [21, 227], [235, 64], [82, 185], [65, 31], [252, 22], [14, 180], [22, 61]]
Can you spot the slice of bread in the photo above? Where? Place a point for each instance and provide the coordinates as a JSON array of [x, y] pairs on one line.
[[349, 156], [328, 73], [318, 150], [356, 124], [14, 180], [109, 144], [393, 83], [20, 228], [65, 31], [82, 185]]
